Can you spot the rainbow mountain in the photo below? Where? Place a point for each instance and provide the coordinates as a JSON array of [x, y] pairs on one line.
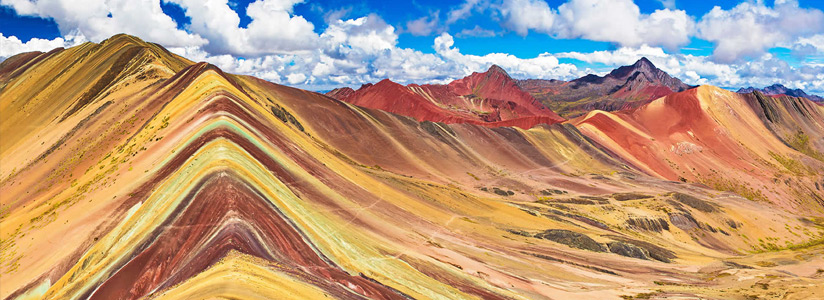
[[129, 172]]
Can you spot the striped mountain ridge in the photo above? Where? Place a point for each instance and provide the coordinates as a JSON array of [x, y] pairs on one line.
[[135, 173]]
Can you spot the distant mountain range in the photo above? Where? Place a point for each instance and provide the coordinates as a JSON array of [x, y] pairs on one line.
[[493, 98], [778, 89]]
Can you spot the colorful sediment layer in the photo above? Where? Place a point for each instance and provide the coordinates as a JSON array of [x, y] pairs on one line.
[[129, 172]]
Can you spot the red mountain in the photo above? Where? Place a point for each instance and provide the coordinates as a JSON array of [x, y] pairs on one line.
[[491, 98]]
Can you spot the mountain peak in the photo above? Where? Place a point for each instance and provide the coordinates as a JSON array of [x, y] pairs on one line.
[[644, 62], [642, 65], [495, 69]]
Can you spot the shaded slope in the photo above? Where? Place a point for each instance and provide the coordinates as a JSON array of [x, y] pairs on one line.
[[797, 122]]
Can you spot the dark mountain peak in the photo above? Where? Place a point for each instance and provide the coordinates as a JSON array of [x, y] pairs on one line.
[[643, 63], [642, 69]]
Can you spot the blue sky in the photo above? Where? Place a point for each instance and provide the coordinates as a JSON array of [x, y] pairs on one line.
[[324, 44]]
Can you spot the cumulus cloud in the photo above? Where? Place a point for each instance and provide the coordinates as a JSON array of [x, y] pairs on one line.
[[809, 45], [98, 20], [274, 28], [544, 66], [618, 57], [11, 45], [524, 15], [749, 29], [616, 21], [369, 34]]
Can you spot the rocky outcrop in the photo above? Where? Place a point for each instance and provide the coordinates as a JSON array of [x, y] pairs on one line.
[[628, 250], [571, 238], [683, 221], [630, 196], [631, 246], [648, 224], [694, 202]]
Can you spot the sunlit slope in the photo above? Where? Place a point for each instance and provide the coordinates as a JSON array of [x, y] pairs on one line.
[[715, 137], [201, 184], [51, 87]]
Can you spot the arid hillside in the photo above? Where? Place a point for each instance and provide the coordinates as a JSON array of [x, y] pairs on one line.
[[129, 172]]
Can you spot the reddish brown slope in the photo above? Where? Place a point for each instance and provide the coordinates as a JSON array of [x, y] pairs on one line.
[[491, 98], [717, 138]]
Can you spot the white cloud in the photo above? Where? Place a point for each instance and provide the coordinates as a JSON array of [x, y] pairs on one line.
[[616, 21], [369, 34], [667, 3], [524, 15], [809, 44], [476, 31], [545, 66], [618, 57], [99, 20], [749, 29], [295, 78], [11, 45], [423, 26], [464, 10], [273, 28]]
